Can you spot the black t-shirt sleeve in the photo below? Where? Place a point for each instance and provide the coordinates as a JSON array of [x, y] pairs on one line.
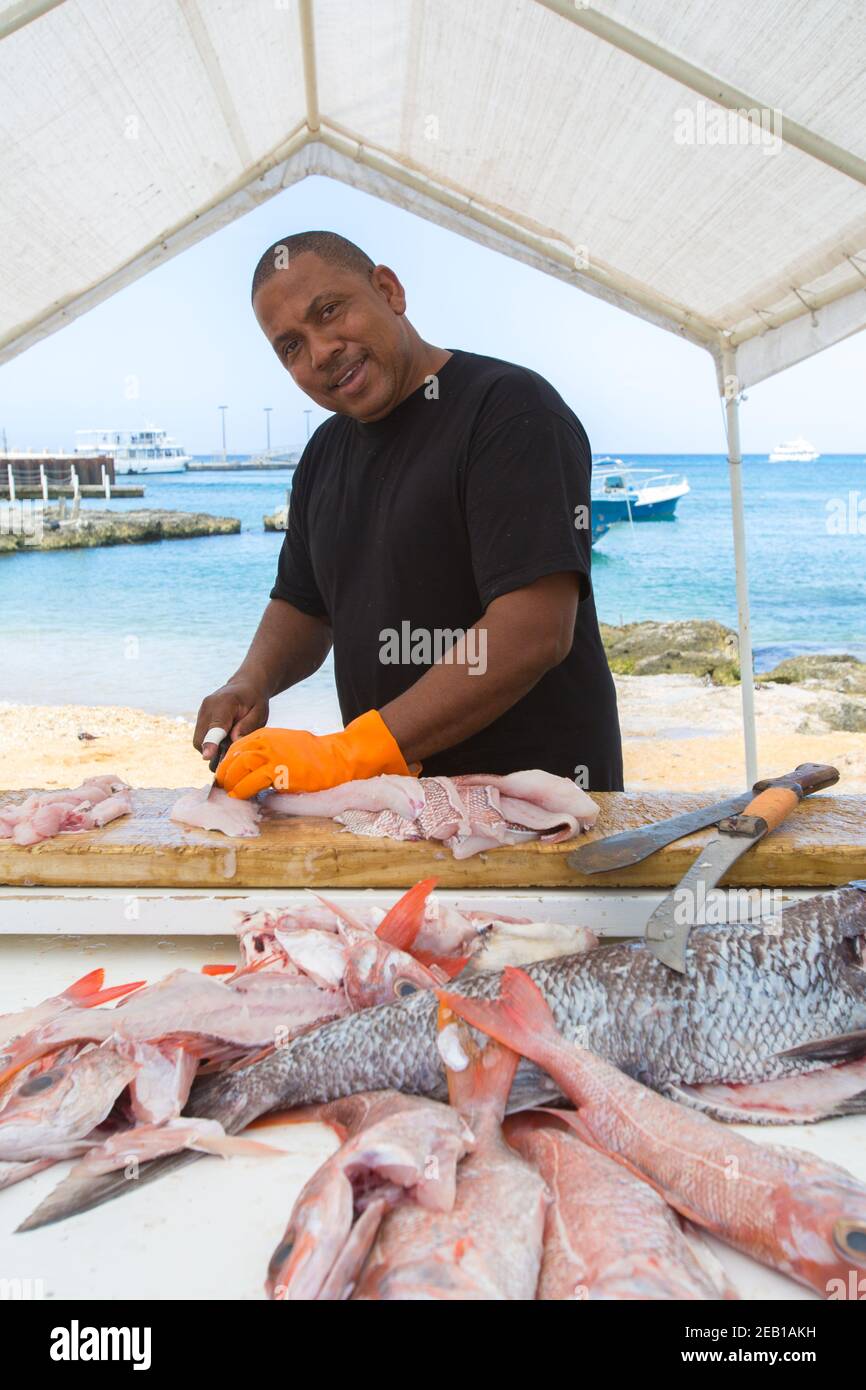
[[295, 581], [527, 483]]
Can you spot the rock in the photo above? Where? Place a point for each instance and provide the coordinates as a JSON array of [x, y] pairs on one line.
[[831, 672], [694, 647], [93, 528], [847, 717]]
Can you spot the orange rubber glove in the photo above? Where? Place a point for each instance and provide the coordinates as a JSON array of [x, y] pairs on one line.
[[293, 760]]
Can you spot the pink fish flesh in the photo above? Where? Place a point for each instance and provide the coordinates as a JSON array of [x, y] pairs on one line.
[[208, 809], [43, 815], [402, 795], [482, 812]]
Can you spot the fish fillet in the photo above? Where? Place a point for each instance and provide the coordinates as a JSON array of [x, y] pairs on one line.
[[215, 810], [42, 815]]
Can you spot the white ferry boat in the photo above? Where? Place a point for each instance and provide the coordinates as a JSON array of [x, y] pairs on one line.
[[794, 451], [134, 451]]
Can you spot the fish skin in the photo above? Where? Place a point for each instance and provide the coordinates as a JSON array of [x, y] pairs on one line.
[[399, 1148], [660, 1027], [791, 1210], [608, 1234], [487, 1243]]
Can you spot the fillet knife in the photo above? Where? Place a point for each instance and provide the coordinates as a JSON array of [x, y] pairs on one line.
[[667, 931], [632, 846]]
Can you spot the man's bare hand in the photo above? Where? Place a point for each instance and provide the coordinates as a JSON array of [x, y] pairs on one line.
[[239, 707]]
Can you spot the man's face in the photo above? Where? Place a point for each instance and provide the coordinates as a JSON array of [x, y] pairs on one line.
[[342, 336]]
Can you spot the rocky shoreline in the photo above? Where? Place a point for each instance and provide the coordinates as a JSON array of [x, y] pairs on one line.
[[50, 531], [710, 650]]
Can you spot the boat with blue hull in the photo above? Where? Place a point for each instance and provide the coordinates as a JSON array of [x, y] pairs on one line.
[[623, 493]]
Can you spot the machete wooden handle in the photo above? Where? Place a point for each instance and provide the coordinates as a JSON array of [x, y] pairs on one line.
[[809, 777], [773, 805]]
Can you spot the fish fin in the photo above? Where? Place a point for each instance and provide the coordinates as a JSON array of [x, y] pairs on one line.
[[404, 920], [787, 1100], [520, 1018], [843, 1047], [343, 914], [247, 1059], [451, 966], [234, 1145], [218, 969], [88, 984], [486, 1080], [88, 991]]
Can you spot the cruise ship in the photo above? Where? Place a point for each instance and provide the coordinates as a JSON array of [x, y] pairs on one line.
[[134, 451], [794, 451]]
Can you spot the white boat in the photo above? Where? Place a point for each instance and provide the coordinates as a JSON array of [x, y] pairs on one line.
[[623, 493], [794, 451], [149, 450]]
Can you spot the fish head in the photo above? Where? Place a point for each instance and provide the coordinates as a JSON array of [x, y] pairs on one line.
[[821, 1224], [378, 973]]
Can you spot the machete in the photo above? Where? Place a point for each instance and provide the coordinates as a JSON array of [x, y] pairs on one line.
[[667, 931], [631, 846]]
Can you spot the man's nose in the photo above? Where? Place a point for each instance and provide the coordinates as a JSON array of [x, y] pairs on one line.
[[324, 352]]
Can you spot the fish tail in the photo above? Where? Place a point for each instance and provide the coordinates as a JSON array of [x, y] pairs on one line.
[[88, 991], [486, 1082], [520, 1018], [403, 921]]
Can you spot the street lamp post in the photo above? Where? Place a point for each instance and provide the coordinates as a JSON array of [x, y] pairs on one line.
[[268, 409], [308, 413]]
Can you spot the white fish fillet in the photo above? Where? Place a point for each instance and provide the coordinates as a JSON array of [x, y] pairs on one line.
[[217, 811], [402, 795]]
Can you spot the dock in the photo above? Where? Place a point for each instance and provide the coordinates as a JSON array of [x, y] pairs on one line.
[[27, 526], [52, 491]]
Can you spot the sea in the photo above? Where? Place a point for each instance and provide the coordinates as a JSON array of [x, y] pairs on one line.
[[159, 626]]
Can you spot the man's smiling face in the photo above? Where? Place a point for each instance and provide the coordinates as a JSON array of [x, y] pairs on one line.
[[341, 335]]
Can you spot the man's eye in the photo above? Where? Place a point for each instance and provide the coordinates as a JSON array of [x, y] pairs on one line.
[[288, 348], [327, 308]]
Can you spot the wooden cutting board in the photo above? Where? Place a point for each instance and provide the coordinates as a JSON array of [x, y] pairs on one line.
[[823, 844]]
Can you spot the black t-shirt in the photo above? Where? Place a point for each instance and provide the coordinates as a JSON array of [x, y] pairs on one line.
[[413, 524]]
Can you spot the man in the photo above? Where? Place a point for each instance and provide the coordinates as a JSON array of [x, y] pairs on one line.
[[438, 538]]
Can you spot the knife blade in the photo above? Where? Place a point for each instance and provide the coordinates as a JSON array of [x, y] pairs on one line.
[[667, 931], [632, 846]]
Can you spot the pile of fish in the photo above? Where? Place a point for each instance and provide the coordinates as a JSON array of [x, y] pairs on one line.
[[45, 814], [468, 814], [434, 1192], [79, 1078]]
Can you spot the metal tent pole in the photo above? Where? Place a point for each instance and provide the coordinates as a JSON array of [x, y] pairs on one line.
[[735, 472]]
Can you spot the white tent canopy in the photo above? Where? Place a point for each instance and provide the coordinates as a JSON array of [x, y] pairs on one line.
[[701, 165]]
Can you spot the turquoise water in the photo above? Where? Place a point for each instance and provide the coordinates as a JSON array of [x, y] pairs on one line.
[[159, 626]]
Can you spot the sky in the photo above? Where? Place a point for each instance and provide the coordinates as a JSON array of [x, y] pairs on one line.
[[182, 341]]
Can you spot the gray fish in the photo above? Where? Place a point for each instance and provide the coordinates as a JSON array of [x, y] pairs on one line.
[[750, 994]]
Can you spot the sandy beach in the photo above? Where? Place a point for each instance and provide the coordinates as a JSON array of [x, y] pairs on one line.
[[679, 733]]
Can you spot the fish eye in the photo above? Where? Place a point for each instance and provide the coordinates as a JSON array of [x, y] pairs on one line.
[[851, 1240], [44, 1082], [403, 988]]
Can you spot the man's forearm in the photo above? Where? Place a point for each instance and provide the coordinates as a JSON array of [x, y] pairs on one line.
[[520, 638], [288, 646]]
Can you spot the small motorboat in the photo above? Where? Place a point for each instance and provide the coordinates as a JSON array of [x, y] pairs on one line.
[[623, 493]]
